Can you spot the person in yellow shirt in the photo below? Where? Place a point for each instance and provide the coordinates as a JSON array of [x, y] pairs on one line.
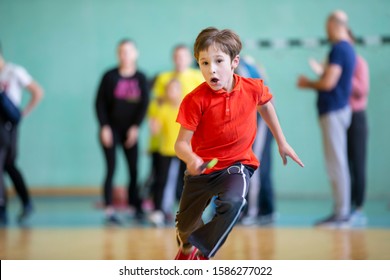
[[189, 78], [164, 125]]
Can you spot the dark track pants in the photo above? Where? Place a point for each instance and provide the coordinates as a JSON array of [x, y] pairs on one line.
[[357, 156], [230, 187]]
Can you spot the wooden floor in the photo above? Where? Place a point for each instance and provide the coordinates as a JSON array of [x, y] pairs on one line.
[[244, 243]]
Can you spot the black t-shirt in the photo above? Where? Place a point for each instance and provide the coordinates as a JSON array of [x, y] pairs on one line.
[[122, 101]]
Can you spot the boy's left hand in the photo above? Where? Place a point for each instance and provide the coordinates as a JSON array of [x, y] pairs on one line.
[[285, 151]]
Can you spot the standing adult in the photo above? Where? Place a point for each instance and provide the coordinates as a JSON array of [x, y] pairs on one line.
[[357, 138], [357, 134], [334, 88], [13, 80], [121, 104]]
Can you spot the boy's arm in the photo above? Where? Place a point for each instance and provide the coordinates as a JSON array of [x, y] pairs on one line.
[[184, 151], [268, 114]]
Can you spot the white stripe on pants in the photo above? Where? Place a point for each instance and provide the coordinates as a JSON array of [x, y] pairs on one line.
[[334, 127]]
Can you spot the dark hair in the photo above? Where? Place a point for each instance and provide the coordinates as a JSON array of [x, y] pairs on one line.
[[227, 40]]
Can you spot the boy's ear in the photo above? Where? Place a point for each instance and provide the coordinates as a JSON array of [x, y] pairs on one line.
[[235, 62]]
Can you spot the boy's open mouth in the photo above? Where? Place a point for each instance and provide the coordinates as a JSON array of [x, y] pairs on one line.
[[214, 80]]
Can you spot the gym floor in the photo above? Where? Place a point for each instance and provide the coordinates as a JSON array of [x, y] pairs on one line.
[[72, 227]]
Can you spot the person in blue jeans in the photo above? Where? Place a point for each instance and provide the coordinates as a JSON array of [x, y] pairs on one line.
[[261, 200]]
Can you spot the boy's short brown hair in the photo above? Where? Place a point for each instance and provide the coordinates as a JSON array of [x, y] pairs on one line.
[[227, 40]]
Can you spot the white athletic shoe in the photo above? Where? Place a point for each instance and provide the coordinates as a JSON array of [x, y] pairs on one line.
[[157, 218]]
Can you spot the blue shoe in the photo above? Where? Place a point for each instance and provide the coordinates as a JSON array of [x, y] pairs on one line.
[[358, 219], [249, 221], [266, 220], [25, 215]]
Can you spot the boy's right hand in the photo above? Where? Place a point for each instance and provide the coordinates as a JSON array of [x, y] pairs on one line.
[[193, 166], [285, 151]]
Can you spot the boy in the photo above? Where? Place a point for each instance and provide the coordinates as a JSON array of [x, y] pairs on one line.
[[218, 120]]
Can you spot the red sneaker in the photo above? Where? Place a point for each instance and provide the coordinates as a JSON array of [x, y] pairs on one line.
[[197, 255], [201, 257], [181, 256]]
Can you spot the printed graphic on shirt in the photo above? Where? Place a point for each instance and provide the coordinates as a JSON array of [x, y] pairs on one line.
[[128, 90]]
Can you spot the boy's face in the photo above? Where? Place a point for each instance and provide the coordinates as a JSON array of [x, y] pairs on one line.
[[218, 68]]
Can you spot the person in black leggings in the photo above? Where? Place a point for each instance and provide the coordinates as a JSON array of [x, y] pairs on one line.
[[121, 104], [13, 80]]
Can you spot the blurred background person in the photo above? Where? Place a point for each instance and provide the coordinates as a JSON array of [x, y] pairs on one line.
[[164, 124], [121, 105], [334, 90], [13, 80], [189, 78], [357, 133], [358, 138], [261, 201]]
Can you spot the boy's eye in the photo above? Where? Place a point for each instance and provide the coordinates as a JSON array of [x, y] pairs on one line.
[[219, 60], [205, 63]]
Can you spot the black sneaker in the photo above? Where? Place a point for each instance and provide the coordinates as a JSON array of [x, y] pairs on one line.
[[333, 222], [139, 216], [113, 220]]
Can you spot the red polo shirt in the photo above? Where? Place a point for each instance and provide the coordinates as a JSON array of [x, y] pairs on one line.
[[224, 124]]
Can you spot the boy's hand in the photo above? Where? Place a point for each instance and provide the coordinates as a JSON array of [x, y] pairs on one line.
[[193, 166], [285, 151]]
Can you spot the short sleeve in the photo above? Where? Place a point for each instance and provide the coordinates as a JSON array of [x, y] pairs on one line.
[[189, 113], [265, 95], [23, 76], [336, 56], [160, 84]]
